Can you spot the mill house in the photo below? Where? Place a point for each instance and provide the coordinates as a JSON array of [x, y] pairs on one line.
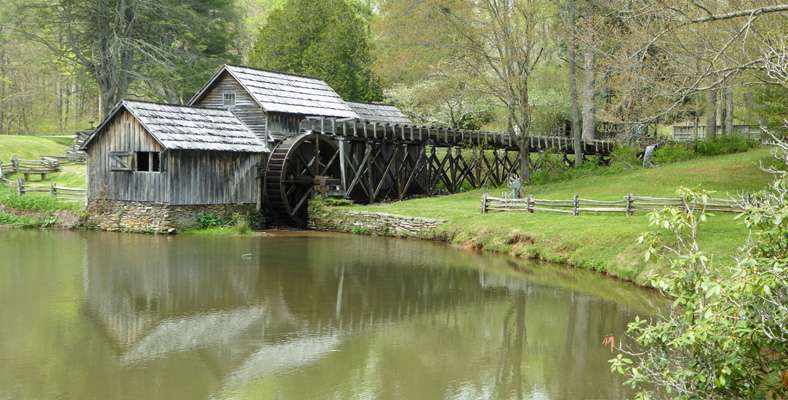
[[157, 167]]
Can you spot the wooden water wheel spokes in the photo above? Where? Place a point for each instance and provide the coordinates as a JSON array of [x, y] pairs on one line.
[[292, 168]]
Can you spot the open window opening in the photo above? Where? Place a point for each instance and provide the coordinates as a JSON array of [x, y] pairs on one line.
[[148, 161]]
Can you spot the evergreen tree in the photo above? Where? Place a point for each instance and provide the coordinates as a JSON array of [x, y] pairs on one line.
[[326, 39]]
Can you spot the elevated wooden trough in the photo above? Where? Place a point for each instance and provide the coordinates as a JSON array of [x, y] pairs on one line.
[[368, 161]]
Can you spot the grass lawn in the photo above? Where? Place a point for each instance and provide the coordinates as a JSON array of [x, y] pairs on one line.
[[31, 147], [603, 242]]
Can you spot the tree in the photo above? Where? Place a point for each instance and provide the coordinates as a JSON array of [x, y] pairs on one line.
[[570, 21], [422, 72], [725, 335], [589, 69], [670, 53], [198, 51], [120, 43], [326, 39]]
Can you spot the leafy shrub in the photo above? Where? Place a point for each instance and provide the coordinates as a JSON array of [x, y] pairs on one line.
[[235, 223], [724, 336], [13, 220], [673, 153], [208, 221], [723, 145]]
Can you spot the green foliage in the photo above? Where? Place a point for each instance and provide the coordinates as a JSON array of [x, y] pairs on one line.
[[725, 336], [327, 39], [728, 144], [234, 223], [206, 221], [361, 230], [199, 52], [13, 220], [553, 170], [673, 153], [10, 199]]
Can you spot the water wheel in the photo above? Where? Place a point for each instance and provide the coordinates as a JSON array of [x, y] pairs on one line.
[[292, 168]]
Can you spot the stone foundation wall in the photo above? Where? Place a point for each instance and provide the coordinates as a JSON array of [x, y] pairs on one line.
[[140, 216], [369, 223]]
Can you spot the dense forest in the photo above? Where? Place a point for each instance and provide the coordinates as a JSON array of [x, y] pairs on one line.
[[597, 68]]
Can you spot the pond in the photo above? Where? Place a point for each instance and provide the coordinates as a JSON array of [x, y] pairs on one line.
[[298, 315]]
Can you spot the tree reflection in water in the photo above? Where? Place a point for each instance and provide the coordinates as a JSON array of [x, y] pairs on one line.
[[355, 317]]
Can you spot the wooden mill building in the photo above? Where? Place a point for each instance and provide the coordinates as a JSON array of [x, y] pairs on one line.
[[271, 104], [157, 166]]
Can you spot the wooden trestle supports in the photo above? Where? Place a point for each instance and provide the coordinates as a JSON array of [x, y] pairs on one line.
[[393, 161]]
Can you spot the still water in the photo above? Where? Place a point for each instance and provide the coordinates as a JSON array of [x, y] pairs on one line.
[[96, 315]]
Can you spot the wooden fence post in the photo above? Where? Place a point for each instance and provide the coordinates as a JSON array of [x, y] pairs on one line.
[[484, 203], [529, 202], [52, 193], [628, 198], [2, 176], [20, 186], [15, 163], [575, 205]]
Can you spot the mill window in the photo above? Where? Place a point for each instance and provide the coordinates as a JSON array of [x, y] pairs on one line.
[[229, 100], [148, 161]]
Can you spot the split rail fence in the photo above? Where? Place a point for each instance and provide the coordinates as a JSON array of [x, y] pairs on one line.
[[54, 191], [629, 204], [30, 167], [36, 167]]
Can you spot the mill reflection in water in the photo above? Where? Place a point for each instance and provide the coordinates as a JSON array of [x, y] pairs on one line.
[[326, 316]]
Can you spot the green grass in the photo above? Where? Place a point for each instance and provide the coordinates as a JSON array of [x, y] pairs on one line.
[[9, 198], [603, 242], [31, 147]]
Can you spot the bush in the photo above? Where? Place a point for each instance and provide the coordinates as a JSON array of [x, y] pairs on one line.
[[208, 221], [235, 223], [725, 335], [673, 153], [717, 146], [723, 145]]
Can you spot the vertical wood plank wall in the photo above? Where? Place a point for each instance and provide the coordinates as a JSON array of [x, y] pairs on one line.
[[245, 108], [189, 178], [212, 177], [281, 125], [124, 133]]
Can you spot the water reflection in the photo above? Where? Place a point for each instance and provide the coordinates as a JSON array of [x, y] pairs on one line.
[[306, 316]]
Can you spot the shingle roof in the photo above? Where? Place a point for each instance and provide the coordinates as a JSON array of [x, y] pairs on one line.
[[286, 93], [379, 113], [190, 128]]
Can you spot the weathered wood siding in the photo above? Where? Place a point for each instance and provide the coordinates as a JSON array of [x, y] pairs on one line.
[[123, 134], [281, 125], [211, 177], [245, 108]]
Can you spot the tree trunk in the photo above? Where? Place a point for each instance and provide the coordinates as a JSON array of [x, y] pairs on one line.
[[728, 120], [576, 129], [589, 106], [711, 114]]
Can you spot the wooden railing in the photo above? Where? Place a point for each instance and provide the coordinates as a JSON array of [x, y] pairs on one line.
[[54, 191], [30, 167], [629, 204], [71, 157]]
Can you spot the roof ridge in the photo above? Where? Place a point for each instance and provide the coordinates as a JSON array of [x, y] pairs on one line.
[[275, 72], [369, 103], [173, 105]]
